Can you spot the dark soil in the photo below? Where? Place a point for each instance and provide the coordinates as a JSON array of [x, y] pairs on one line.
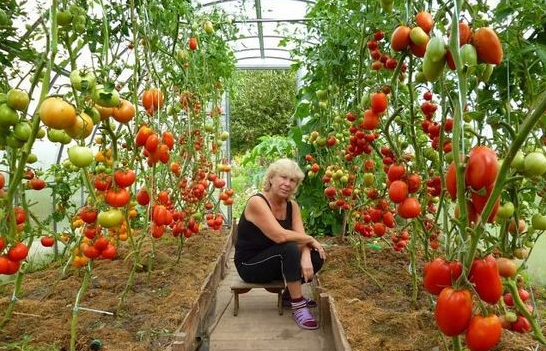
[[379, 315], [154, 308]]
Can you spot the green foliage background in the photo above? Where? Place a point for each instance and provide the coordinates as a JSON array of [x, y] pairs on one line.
[[262, 103]]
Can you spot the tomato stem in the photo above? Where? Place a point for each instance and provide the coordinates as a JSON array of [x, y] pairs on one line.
[[75, 309]]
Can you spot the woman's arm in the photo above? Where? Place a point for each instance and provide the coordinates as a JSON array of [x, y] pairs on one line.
[[259, 213], [297, 225]]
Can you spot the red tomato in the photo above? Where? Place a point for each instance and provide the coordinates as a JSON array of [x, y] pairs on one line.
[[451, 181], [4, 264], [192, 43], [409, 208], [479, 201], [88, 214], [101, 243], [2, 180], [398, 191], [414, 182], [47, 241], [521, 325], [453, 311], [90, 251], [118, 198], [109, 253], [102, 182], [124, 178], [483, 332], [168, 139], [482, 168], [142, 135], [484, 273], [37, 183], [439, 274], [379, 102], [2, 243], [396, 172], [142, 197], [18, 252]]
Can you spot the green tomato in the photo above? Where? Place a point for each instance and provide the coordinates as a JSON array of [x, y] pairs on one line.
[[64, 18], [105, 97], [208, 27], [82, 80], [517, 161], [538, 221], [534, 164], [369, 179], [322, 95], [18, 99], [32, 158], [80, 156], [111, 218], [506, 210], [13, 142], [41, 133], [8, 116], [22, 131], [55, 135]]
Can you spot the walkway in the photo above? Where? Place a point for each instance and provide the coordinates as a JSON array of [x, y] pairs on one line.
[[258, 326]]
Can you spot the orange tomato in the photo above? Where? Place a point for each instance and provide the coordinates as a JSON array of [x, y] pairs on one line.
[[57, 113], [125, 112], [81, 128], [400, 38]]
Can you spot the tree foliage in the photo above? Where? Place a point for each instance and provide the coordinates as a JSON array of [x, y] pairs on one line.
[[261, 103]]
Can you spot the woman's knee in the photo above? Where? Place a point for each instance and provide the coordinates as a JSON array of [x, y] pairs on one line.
[[316, 260], [291, 249]]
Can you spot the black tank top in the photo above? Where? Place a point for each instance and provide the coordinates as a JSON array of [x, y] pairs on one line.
[[251, 240]]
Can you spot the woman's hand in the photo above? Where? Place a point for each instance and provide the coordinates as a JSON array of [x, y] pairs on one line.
[[307, 266], [318, 246]]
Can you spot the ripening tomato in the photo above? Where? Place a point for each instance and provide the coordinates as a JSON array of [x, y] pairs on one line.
[[152, 99], [57, 113], [488, 46], [2, 180], [439, 274], [400, 38], [453, 311], [167, 138], [484, 274], [142, 135], [521, 325], [507, 267], [483, 332], [425, 21], [125, 112], [124, 178], [111, 218]]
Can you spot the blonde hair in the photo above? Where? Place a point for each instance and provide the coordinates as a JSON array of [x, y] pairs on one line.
[[283, 166]]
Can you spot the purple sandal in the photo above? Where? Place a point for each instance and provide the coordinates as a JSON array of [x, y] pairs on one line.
[[304, 319]]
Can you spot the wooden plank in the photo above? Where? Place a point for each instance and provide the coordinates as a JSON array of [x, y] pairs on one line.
[[290, 344], [340, 339]]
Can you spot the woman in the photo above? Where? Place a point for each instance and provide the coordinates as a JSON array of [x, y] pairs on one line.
[[271, 241]]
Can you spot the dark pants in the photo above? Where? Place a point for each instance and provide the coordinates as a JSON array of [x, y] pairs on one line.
[[279, 262]]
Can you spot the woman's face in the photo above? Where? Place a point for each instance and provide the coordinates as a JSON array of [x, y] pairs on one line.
[[283, 184]]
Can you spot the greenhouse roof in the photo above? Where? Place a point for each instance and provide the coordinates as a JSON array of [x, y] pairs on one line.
[[263, 24]]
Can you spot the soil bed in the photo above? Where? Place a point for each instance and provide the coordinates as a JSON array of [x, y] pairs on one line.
[[381, 316], [154, 307]]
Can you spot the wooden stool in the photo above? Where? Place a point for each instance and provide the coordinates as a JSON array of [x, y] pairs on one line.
[[241, 287]]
